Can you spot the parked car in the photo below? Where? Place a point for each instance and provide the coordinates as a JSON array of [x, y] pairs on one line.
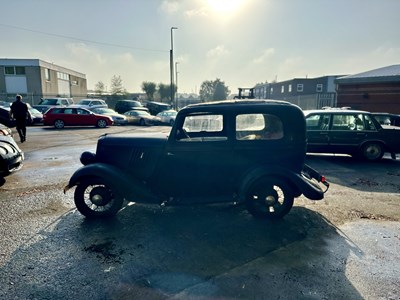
[[90, 104], [157, 107], [387, 119], [140, 117], [11, 156], [352, 132], [167, 117], [123, 106], [68, 116], [36, 117], [118, 119], [249, 152], [5, 117], [46, 103]]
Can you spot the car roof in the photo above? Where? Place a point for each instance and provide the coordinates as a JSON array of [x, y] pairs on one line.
[[335, 111], [385, 114], [237, 105]]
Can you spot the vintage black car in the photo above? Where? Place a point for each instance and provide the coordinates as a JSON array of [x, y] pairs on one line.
[[11, 156], [352, 132], [243, 151]]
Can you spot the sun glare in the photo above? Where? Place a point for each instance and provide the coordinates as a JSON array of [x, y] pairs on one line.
[[224, 6]]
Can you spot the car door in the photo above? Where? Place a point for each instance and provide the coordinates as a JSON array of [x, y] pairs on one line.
[[318, 129], [347, 132], [197, 159], [84, 117]]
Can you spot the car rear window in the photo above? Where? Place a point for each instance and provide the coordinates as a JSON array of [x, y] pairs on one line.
[[258, 127]]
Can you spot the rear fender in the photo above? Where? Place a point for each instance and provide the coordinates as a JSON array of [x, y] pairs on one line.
[[299, 183], [123, 184]]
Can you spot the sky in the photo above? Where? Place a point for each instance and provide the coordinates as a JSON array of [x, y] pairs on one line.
[[241, 42]]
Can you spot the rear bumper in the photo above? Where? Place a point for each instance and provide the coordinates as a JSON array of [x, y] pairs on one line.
[[313, 180]]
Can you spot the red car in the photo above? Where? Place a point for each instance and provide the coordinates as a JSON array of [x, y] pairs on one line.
[[68, 116]]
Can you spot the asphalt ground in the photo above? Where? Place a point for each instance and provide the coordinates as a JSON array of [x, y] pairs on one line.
[[344, 247]]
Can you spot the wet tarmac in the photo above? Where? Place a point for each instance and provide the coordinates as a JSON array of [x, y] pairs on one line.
[[49, 251]]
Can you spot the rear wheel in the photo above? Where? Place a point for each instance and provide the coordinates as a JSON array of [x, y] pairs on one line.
[[372, 151], [101, 123], [59, 124], [94, 198], [269, 198]]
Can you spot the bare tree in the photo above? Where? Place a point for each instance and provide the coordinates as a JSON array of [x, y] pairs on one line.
[[99, 88], [116, 86]]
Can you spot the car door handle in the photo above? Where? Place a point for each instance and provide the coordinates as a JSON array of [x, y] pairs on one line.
[[170, 154]]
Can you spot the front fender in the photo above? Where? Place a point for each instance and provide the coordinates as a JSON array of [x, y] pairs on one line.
[[300, 183], [123, 183]]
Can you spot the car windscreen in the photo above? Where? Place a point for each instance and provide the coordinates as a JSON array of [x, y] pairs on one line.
[[48, 102]]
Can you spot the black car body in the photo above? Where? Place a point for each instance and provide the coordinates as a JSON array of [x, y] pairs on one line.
[[5, 117], [122, 106], [351, 132], [11, 156], [248, 152], [35, 117]]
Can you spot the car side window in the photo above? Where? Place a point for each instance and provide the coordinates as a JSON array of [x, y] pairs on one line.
[[369, 124], [348, 122], [82, 112], [68, 111], [318, 122], [202, 128], [258, 127]]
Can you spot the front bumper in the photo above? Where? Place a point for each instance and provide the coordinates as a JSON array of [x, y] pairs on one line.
[[11, 156]]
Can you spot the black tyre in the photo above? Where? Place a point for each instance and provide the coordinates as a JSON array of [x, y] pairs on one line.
[[59, 124], [171, 122], [101, 123], [372, 151], [93, 198], [269, 198], [142, 122]]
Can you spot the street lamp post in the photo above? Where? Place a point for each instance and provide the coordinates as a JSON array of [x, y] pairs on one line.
[[176, 84], [171, 65]]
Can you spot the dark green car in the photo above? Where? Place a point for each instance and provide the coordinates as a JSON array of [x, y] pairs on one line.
[[352, 132]]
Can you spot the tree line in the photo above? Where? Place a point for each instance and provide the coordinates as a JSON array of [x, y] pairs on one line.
[[210, 90]]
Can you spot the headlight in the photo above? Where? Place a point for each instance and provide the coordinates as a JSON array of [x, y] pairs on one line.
[[5, 149]]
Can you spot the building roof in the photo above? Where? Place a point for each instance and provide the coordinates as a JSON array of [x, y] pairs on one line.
[[38, 63], [385, 74]]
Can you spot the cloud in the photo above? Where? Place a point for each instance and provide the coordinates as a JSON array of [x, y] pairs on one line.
[[125, 58], [217, 52], [264, 56], [82, 51], [198, 12], [169, 6]]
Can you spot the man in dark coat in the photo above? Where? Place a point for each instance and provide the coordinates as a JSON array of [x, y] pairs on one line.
[[19, 111]]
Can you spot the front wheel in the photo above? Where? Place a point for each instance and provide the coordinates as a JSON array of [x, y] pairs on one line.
[[101, 123], [93, 198], [372, 151], [142, 122], [269, 198]]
